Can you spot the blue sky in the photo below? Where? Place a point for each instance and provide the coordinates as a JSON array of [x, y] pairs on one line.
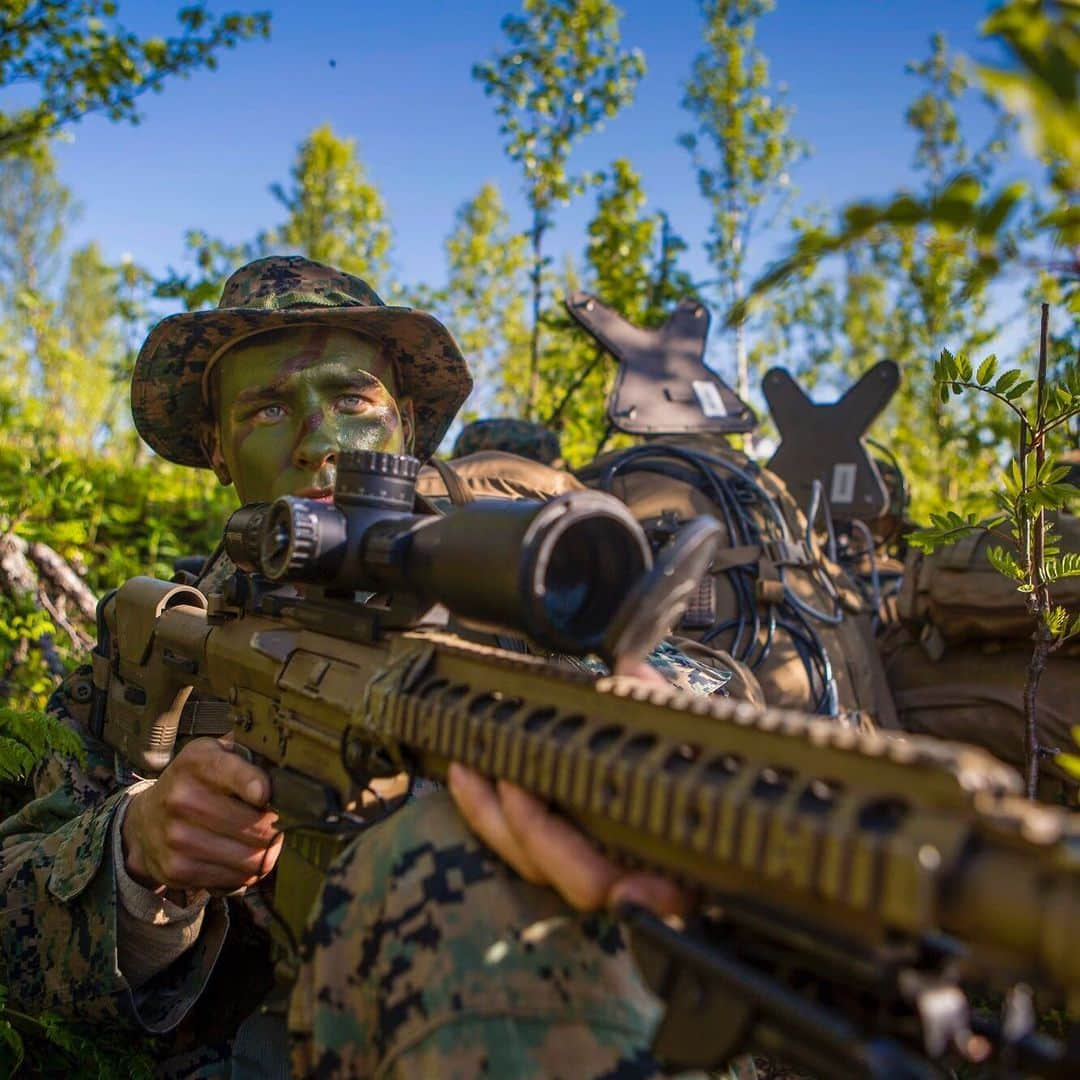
[[400, 83]]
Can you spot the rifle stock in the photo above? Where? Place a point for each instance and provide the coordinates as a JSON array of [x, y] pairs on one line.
[[853, 886]]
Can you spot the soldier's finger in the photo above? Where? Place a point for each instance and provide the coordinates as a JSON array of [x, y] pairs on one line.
[[566, 857], [659, 894], [192, 800], [189, 841], [184, 872], [480, 807], [232, 774]]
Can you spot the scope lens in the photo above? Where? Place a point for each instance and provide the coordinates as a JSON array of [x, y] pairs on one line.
[[591, 567], [243, 534], [275, 546]]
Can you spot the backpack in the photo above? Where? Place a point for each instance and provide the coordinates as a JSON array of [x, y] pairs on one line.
[[973, 692], [495, 474], [956, 595], [772, 599]]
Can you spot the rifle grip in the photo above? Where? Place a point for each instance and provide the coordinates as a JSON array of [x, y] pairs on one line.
[[151, 675]]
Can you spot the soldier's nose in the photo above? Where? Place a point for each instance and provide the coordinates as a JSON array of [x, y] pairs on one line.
[[315, 450]]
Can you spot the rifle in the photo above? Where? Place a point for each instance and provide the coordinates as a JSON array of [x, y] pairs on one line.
[[856, 889]]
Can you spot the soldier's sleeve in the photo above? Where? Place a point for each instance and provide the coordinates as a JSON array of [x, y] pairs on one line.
[[58, 892]]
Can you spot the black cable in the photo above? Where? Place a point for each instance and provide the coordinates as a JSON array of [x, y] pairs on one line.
[[732, 499]]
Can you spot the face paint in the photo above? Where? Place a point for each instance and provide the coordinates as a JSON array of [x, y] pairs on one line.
[[287, 407]]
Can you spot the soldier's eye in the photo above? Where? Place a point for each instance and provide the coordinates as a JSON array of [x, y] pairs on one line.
[[271, 412], [352, 402]]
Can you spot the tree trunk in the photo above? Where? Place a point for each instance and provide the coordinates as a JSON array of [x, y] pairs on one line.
[[742, 379], [534, 339]]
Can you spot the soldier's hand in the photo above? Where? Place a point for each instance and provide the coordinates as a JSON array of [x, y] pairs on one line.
[[204, 824], [546, 849]]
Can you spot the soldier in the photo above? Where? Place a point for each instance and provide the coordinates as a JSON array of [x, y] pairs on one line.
[[139, 900]]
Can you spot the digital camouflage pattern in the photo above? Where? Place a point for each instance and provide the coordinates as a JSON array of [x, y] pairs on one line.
[[168, 391], [460, 968], [521, 437]]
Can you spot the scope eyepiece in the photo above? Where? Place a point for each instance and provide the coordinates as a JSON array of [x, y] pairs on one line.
[[301, 540], [243, 536]]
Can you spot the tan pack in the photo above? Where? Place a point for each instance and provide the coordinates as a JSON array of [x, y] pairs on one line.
[[955, 594], [493, 474], [765, 563], [973, 693]]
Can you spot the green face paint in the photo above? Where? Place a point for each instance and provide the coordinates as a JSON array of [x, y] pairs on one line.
[[287, 406]]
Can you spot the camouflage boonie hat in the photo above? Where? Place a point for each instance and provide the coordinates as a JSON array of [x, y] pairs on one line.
[[521, 437], [168, 386]]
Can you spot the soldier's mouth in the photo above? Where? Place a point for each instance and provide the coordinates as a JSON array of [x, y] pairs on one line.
[[320, 494]]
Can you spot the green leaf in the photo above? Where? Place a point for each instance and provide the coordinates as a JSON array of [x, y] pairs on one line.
[[1004, 562], [1061, 567], [11, 1038], [986, 370], [1070, 763], [1019, 390], [1006, 379]]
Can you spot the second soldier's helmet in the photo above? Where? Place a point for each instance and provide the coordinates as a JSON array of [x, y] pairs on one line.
[[521, 437]]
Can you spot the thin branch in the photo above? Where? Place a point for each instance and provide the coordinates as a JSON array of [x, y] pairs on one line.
[[986, 390]]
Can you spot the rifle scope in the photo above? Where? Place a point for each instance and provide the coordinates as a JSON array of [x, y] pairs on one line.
[[555, 571]]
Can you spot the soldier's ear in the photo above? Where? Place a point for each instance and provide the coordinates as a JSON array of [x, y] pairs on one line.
[[211, 444], [408, 423]]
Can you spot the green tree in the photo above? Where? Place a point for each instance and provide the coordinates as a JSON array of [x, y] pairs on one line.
[[62, 322], [79, 59], [563, 74], [83, 386], [213, 261], [335, 213], [35, 209], [908, 286], [741, 148], [484, 299], [631, 261]]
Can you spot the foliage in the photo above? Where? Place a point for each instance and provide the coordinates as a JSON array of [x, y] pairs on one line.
[[335, 214], [484, 300], [109, 520], [81, 60], [741, 149], [1043, 37], [631, 263], [214, 260], [45, 1045], [562, 76], [68, 319], [35, 209], [25, 738], [1042, 87], [1032, 485], [911, 281]]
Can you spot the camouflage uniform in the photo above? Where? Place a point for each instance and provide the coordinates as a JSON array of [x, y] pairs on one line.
[[521, 437], [425, 955]]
